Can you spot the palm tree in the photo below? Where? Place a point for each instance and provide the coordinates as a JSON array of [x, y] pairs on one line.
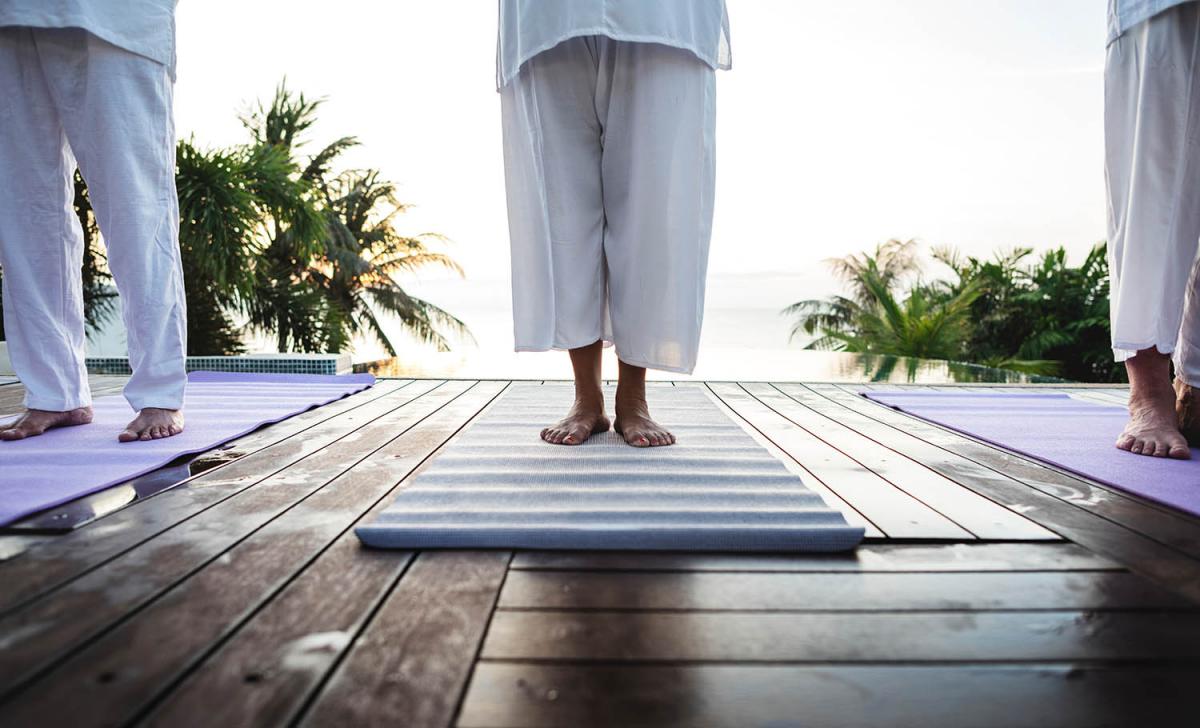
[[224, 198], [1042, 317], [99, 295], [328, 268], [892, 262], [284, 245], [874, 320], [364, 253]]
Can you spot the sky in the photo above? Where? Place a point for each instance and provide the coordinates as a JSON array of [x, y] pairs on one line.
[[973, 123]]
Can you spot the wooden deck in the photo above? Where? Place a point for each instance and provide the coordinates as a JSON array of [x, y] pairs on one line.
[[992, 591]]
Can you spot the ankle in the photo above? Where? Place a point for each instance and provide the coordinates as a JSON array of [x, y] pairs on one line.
[[589, 397], [1155, 389]]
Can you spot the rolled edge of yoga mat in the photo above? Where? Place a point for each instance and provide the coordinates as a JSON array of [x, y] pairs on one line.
[[808, 538]]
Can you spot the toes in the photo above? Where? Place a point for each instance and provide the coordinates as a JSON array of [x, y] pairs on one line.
[[1125, 442], [127, 435], [1179, 452]]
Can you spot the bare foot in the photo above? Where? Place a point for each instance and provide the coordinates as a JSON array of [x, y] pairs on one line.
[[1153, 428], [585, 419], [633, 414], [1187, 411], [35, 422], [153, 423]]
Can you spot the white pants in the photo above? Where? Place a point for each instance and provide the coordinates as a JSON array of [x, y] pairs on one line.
[[609, 168], [65, 97], [1152, 150]]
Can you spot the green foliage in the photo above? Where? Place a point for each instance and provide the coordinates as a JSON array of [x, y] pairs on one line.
[[99, 295], [327, 270], [1040, 317], [924, 323], [284, 244]]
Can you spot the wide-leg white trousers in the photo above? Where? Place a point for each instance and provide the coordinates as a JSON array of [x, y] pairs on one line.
[[67, 97], [1152, 167], [609, 169]]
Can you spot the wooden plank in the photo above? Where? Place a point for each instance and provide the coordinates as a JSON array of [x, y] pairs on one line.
[[262, 675], [93, 506], [1098, 519], [982, 517], [147, 652], [270, 450], [17, 543], [876, 591], [843, 637], [12, 394], [1113, 501], [895, 513], [882, 423], [45, 632], [968, 557], [831, 499], [831, 696], [412, 661]]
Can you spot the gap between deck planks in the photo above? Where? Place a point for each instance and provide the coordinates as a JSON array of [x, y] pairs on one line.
[[273, 448], [314, 634], [629, 639], [535, 695], [889, 504], [149, 633], [15, 543], [1155, 541]]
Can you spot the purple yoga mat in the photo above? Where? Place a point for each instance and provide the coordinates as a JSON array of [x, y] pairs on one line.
[[64, 464], [1073, 434]]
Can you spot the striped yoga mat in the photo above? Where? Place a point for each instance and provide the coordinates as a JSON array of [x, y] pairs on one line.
[[498, 485]]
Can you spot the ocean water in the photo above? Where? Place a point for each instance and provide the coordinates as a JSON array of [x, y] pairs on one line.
[[744, 338]]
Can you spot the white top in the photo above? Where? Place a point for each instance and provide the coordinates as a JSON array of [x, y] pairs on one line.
[[528, 27], [145, 27], [1124, 14]]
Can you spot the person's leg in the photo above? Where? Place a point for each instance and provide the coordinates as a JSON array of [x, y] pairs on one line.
[[586, 416], [659, 174], [556, 219], [1152, 428], [1187, 363], [41, 247], [117, 112], [1152, 134]]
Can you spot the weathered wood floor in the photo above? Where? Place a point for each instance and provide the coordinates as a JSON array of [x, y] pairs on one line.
[[992, 591]]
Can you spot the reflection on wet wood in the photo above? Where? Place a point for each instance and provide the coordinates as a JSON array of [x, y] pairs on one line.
[[242, 595]]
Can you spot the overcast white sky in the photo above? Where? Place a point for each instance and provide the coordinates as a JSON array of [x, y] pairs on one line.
[[971, 122]]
